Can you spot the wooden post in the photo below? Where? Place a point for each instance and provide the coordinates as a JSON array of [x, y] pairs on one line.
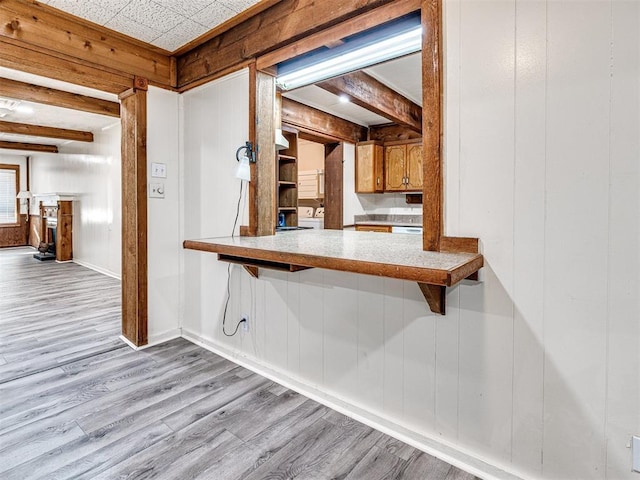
[[134, 213], [333, 182], [431, 125], [265, 169]]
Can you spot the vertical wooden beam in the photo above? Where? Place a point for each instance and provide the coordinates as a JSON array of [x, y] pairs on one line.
[[265, 121], [134, 213], [333, 183], [431, 124], [253, 209]]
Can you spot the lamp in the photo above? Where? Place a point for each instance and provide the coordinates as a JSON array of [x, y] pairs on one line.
[[243, 172], [25, 196], [392, 40]]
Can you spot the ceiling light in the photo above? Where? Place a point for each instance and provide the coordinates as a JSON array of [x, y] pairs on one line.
[[24, 109], [370, 48], [343, 99]]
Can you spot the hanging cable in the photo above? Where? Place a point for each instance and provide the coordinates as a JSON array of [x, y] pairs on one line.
[[226, 303]]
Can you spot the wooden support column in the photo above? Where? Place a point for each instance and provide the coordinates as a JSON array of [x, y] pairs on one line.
[[333, 182], [431, 125], [134, 212], [265, 169]]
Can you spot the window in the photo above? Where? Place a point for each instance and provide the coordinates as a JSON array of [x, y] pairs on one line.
[[9, 181]]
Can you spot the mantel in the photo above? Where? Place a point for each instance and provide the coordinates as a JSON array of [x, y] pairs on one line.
[[382, 254]]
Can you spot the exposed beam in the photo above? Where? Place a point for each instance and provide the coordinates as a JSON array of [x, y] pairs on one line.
[[328, 36], [391, 132], [39, 27], [57, 98], [373, 95], [49, 132], [284, 23], [32, 147], [313, 120], [17, 56]]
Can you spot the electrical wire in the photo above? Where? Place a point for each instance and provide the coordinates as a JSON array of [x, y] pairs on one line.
[[226, 303]]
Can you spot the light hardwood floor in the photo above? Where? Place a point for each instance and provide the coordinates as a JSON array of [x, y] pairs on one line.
[[76, 403]]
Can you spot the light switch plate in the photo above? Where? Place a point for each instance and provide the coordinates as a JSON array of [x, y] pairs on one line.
[[635, 449], [159, 170], [156, 190]]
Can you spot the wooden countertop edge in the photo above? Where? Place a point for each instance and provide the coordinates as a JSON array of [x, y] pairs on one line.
[[431, 276]]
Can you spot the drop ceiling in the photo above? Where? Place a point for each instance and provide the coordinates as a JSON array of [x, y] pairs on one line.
[[168, 24]]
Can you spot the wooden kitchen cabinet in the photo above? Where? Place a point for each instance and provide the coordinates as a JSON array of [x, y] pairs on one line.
[[369, 167], [403, 166]]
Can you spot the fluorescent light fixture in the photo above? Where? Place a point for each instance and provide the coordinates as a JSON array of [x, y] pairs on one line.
[[392, 41]]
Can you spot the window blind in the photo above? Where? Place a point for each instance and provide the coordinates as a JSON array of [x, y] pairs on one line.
[[8, 204]]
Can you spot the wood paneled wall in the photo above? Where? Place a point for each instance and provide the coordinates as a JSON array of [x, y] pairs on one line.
[[16, 236]]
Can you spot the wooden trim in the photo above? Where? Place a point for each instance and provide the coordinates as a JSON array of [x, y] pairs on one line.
[[252, 229], [60, 34], [41, 131], [225, 26], [314, 120], [16, 168], [392, 132], [57, 98], [215, 76], [459, 244], [283, 23], [371, 94], [134, 216], [32, 147], [431, 124], [265, 170], [357, 24]]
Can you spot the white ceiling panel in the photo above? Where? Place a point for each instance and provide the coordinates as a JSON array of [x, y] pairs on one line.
[[168, 24]]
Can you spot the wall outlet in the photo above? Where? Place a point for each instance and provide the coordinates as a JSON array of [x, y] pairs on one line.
[[159, 170], [635, 453], [245, 322], [156, 190]]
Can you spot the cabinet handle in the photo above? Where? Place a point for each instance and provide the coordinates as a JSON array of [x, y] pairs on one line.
[[378, 180]]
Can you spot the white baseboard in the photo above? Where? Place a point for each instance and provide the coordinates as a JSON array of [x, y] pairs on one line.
[[93, 267], [156, 339], [446, 452]]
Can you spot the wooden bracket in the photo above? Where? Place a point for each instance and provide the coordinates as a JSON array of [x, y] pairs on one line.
[[252, 270], [435, 295]]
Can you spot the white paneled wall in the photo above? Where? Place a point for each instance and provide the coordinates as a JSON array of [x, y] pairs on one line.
[[534, 369], [90, 171]]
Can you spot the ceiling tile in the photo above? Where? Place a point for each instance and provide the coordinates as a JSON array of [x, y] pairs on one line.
[[125, 25], [152, 15], [96, 13], [180, 35], [238, 5], [187, 9], [213, 15]]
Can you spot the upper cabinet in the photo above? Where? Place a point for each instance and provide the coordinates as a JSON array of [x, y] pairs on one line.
[[389, 167], [369, 167], [403, 167]]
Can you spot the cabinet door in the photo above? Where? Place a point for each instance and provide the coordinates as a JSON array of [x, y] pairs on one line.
[[394, 164], [414, 167], [369, 168]]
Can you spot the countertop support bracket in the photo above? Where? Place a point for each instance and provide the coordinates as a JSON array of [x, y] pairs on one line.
[[435, 295]]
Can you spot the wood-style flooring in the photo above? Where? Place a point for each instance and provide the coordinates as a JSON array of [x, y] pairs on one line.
[[76, 403]]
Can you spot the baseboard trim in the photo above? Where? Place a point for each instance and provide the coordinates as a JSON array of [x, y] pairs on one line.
[[156, 339], [95, 268], [448, 453]]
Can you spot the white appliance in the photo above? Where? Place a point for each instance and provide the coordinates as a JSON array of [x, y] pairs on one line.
[[411, 230]]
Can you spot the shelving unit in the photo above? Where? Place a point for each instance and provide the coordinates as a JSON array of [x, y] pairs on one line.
[[287, 177]]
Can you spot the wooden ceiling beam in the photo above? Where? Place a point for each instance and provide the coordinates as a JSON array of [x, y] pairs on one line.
[[373, 95], [41, 131], [31, 147], [360, 23], [57, 98], [39, 27], [25, 59], [282, 24], [319, 122]]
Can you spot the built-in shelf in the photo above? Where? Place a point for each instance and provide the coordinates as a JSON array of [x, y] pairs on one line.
[[286, 158], [287, 209], [287, 184], [395, 256]]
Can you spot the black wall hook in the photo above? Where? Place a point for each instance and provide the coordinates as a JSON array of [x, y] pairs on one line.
[[249, 152]]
